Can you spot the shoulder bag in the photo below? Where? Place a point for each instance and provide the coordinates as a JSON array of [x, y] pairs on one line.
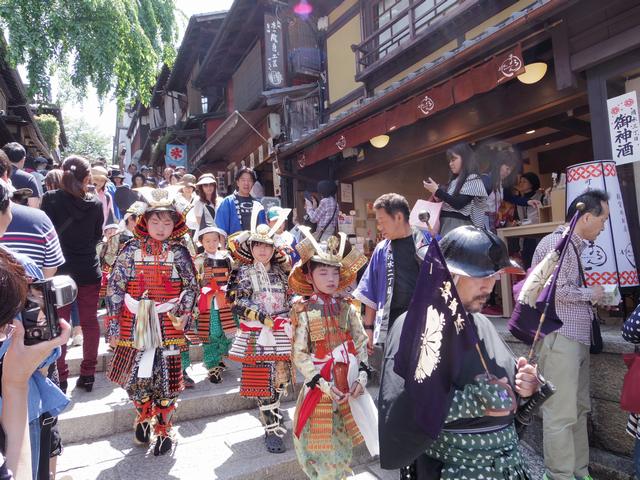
[[597, 344]]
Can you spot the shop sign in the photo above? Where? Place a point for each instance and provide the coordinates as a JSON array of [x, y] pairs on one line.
[[609, 260], [273, 50], [624, 128], [176, 156], [480, 79]]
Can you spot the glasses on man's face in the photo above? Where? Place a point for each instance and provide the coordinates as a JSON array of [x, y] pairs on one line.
[[6, 331]]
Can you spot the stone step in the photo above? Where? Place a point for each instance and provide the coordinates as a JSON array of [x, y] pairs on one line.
[[229, 447], [74, 357], [107, 409]]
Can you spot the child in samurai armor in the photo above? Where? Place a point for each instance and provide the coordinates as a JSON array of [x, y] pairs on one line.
[[151, 292], [109, 249], [214, 324], [109, 231], [259, 295], [334, 412]]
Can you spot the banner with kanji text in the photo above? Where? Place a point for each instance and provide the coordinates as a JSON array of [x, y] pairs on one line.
[[624, 126]]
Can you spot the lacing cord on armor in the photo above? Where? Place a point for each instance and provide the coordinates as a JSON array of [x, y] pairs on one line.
[[365, 368], [314, 381], [282, 391], [276, 428], [265, 281]]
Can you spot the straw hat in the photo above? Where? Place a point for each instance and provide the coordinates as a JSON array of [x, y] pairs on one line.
[[100, 173]]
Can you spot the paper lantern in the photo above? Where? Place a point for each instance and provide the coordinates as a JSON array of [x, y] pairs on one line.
[[609, 260], [533, 72], [380, 141]]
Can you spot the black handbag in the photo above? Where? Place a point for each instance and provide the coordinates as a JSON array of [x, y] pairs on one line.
[[597, 344]]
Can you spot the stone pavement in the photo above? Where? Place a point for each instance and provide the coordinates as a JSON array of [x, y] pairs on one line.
[[218, 435]]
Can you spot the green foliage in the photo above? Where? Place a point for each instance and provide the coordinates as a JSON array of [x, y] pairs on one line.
[[86, 140], [115, 45], [50, 128]]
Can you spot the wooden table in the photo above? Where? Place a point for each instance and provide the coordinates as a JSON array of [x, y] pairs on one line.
[[531, 230]]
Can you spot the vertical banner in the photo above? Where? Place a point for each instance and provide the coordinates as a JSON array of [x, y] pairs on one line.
[[277, 186], [222, 182], [273, 51], [176, 156], [624, 128], [609, 260]]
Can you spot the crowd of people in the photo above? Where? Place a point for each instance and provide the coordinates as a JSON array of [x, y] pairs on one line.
[[178, 267]]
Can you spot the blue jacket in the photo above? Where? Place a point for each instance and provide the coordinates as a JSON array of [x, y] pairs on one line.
[[43, 395], [227, 216]]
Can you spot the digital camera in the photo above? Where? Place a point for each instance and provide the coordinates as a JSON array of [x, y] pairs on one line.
[[40, 315]]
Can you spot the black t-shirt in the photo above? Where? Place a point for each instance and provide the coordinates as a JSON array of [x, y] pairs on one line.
[[246, 205], [21, 179], [405, 271]]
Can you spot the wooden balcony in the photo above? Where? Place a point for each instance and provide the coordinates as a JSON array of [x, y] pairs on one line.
[[403, 31]]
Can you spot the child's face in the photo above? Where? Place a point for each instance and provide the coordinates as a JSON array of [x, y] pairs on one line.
[[325, 279], [160, 226], [262, 252], [210, 242]]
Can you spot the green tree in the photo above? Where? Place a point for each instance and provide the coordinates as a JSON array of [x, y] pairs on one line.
[[50, 128], [86, 140], [115, 45]]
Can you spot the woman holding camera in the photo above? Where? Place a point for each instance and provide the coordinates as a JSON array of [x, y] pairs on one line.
[[23, 387], [78, 218]]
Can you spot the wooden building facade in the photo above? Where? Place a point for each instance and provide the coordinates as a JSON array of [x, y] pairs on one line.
[[426, 75]]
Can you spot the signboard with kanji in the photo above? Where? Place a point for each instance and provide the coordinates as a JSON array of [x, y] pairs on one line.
[[609, 260], [624, 127], [176, 156], [274, 52]]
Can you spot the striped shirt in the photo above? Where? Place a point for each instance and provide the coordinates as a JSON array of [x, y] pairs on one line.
[[32, 233], [631, 333], [573, 300], [472, 187]]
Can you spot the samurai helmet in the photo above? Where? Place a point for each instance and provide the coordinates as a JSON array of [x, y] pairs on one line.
[[476, 252], [136, 208], [208, 224], [161, 200], [331, 253], [158, 199], [110, 221], [240, 243]]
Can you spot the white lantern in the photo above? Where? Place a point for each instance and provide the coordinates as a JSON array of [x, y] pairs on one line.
[[609, 260]]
